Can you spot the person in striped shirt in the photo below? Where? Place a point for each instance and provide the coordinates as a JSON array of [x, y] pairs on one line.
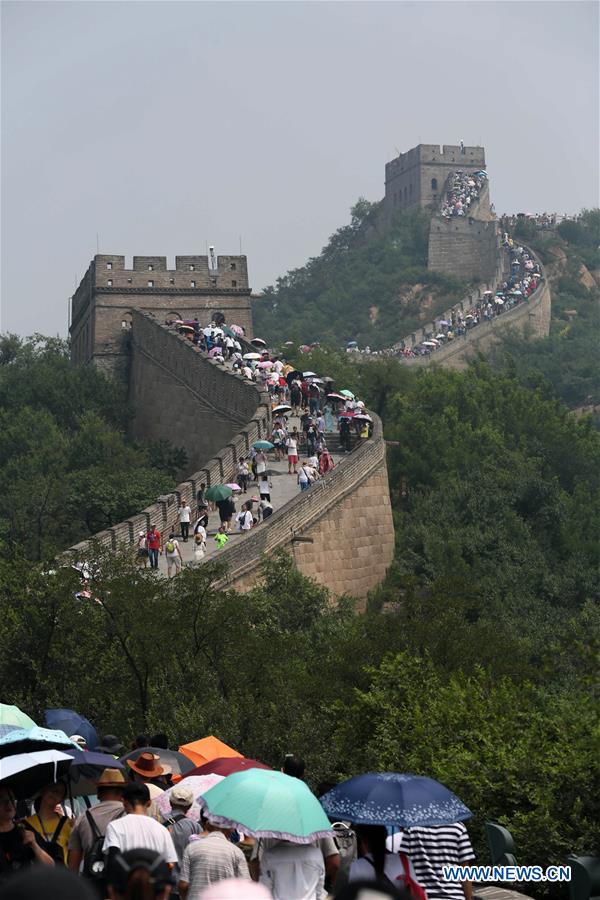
[[429, 849], [210, 859]]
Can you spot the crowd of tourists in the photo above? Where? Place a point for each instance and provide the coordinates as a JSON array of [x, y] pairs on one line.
[[155, 822], [522, 280], [310, 422], [544, 221], [462, 191]]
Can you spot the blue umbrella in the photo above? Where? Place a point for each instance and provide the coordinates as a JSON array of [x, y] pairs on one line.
[[72, 722], [29, 740], [86, 768], [391, 798]]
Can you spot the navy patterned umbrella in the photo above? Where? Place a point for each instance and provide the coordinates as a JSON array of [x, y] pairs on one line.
[[395, 799]]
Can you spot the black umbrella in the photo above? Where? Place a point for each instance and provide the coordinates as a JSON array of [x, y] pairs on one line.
[[178, 763], [292, 375]]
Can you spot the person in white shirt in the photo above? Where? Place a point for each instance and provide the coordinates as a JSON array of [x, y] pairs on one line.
[[199, 543], [292, 453], [245, 519], [137, 829], [293, 871], [375, 861], [184, 514]]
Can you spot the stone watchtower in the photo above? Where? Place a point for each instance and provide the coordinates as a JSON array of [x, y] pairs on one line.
[[196, 287], [417, 177]]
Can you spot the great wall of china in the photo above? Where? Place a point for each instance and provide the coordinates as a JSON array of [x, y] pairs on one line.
[[341, 531]]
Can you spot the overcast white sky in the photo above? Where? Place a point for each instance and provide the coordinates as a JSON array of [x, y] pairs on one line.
[[161, 126]]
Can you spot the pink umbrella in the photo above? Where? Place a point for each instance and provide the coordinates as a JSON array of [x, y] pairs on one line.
[[199, 784], [234, 486], [266, 364], [216, 351], [237, 329]]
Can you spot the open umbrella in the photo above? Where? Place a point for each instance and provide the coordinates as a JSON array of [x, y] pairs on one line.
[[216, 351], [347, 414], [218, 492], [265, 364], [186, 328], [352, 344], [233, 486], [334, 396], [309, 374], [282, 407], [251, 356], [207, 749], [291, 376], [29, 740], [72, 722], [395, 799], [347, 394], [86, 768], [263, 445], [227, 765], [237, 330], [178, 763], [262, 803], [199, 784], [27, 773], [12, 718], [258, 342], [362, 417]]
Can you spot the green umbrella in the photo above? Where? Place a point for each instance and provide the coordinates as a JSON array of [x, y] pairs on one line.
[[218, 492], [11, 717], [263, 445], [348, 394], [262, 803]]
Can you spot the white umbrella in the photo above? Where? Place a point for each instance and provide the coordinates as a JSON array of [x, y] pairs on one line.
[[27, 773], [251, 355], [309, 374]]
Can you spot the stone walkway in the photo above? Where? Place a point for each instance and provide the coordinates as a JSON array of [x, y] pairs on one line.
[[284, 489]]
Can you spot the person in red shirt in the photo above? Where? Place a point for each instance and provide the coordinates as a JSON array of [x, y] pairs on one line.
[[154, 544]]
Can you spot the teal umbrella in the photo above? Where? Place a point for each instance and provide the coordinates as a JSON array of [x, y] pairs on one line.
[[263, 445], [218, 492], [262, 803], [11, 718], [347, 394]]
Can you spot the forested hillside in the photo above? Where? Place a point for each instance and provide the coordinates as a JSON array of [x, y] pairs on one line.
[[66, 467], [369, 285]]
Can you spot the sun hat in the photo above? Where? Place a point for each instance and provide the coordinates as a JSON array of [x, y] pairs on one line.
[[147, 765], [181, 795], [111, 778]]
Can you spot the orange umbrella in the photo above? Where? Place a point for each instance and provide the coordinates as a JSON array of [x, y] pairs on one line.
[[207, 749]]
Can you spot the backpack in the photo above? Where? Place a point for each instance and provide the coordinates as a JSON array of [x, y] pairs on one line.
[[170, 546], [52, 847], [94, 861]]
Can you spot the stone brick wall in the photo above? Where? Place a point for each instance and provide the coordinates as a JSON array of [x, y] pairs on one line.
[[531, 318], [417, 177], [344, 520], [108, 293], [181, 396]]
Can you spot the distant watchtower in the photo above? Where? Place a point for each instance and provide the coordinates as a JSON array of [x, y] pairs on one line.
[[196, 288], [417, 178]]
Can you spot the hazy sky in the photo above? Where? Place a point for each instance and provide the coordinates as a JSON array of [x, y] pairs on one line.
[[161, 126]]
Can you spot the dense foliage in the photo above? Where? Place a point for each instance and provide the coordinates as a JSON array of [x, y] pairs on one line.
[[476, 662], [369, 284], [568, 359], [66, 467]]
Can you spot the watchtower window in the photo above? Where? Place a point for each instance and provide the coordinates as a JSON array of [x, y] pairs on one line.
[[109, 282], [150, 284], [213, 281], [150, 268], [434, 184], [192, 284], [232, 267], [171, 281], [234, 284], [109, 265]]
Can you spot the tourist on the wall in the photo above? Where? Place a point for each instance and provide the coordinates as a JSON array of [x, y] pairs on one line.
[[142, 550], [173, 556], [154, 543], [184, 514], [19, 847]]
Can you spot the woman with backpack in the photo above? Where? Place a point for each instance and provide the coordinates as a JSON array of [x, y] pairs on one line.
[[52, 826]]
